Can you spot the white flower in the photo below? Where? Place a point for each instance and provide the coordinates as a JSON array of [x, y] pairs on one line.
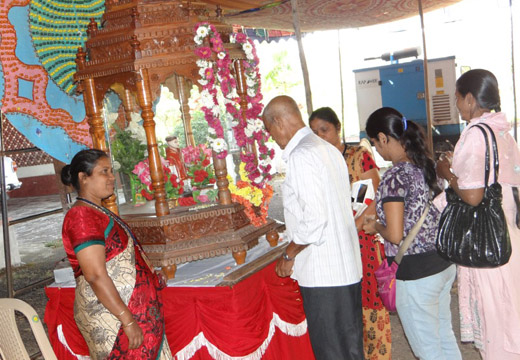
[[202, 31], [250, 82], [258, 179], [249, 131], [212, 131], [264, 162], [218, 145], [247, 47], [202, 63], [216, 111], [117, 165], [202, 73], [250, 56], [206, 99], [221, 55], [203, 82], [233, 39], [259, 125], [251, 92], [233, 94]]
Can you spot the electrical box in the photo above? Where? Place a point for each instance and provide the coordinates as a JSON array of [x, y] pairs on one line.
[[401, 86]]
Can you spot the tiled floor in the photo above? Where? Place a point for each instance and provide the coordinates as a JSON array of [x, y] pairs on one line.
[[38, 239]]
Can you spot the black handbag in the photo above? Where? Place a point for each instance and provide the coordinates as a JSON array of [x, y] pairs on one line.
[[476, 236]]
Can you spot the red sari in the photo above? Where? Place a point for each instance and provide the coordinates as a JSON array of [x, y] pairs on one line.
[[377, 337], [136, 283]]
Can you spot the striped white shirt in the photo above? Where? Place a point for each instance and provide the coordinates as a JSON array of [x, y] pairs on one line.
[[317, 209]]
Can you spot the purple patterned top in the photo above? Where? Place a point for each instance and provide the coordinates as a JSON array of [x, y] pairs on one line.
[[405, 182]]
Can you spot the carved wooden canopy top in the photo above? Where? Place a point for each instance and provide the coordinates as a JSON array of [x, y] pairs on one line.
[[156, 35]]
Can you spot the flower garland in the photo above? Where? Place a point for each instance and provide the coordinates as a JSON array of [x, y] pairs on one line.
[[254, 130], [245, 131], [209, 94], [255, 200]]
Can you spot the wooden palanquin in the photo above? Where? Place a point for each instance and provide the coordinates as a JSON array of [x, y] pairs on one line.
[[141, 46]]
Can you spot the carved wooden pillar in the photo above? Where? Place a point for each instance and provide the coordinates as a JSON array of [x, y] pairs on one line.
[[128, 104], [126, 98], [184, 96], [95, 119], [224, 195], [242, 93], [144, 96]]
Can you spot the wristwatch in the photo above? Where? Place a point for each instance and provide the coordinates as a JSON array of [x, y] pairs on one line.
[[287, 257]]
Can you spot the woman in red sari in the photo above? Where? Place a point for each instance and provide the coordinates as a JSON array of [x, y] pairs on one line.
[[117, 307], [377, 339]]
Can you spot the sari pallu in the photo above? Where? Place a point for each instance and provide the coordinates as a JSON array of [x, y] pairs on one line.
[[133, 279]]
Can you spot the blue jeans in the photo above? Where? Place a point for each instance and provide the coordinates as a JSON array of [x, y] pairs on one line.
[[423, 306]]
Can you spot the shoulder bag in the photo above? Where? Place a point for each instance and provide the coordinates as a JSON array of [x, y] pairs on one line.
[[386, 274], [476, 236]]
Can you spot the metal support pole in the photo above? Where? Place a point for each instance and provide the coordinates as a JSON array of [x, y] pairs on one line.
[[341, 88], [429, 124], [515, 121], [5, 220], [303, 61]]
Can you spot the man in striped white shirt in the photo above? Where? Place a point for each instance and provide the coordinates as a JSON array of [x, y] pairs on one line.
[[323, 254]]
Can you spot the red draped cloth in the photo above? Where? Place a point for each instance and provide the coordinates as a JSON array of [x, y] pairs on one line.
[[261, 317]]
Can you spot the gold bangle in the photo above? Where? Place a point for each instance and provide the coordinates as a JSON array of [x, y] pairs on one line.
[[453, 176], [130, 323], [122, 312]]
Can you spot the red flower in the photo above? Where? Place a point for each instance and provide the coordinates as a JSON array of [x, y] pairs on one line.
[[187, 201], [173, 180], [146, 195], [241, 37], [200, 175], [206, 162], [212, 180], [203, 52]]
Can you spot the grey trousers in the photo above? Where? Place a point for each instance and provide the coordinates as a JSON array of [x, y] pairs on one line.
[[335, 321]]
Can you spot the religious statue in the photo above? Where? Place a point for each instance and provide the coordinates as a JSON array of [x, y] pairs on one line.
[[174, 157]]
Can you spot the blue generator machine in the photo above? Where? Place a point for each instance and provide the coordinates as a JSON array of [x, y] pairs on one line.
[[401, 86]]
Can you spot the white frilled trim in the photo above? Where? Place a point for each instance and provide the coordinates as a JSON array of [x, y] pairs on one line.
[[63, 341], [200, 341]]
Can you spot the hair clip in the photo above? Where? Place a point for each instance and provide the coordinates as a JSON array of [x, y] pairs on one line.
[[405, 124]]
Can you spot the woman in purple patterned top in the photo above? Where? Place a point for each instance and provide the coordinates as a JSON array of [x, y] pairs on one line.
[[424, 279]]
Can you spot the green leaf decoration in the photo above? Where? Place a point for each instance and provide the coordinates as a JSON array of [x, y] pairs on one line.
[[58, 28]]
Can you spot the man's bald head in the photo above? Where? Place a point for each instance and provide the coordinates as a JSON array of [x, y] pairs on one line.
[[282, 106], [282, 118]]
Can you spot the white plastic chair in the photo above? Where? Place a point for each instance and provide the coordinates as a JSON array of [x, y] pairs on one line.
[[11, 343]]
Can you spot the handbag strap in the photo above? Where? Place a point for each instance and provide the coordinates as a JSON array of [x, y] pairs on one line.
[[495, 151], [405, 244], [517, 202]]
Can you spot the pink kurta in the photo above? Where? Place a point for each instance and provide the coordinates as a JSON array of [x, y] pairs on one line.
[[489, 299]]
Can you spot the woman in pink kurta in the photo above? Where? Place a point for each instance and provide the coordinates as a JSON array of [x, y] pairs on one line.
[[489, 299]]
